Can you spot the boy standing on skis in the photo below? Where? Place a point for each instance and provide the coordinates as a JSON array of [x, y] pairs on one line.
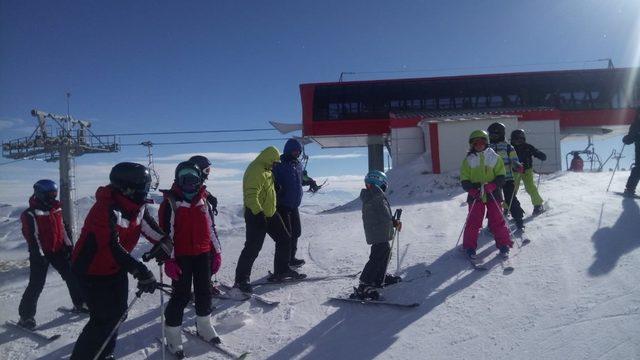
[[511, 165], [186, 214], [481, 175], [102, 259], [525, 153], [49, 244], [379, 230]]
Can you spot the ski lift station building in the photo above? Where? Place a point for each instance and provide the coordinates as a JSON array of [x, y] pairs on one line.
[[433, 117]]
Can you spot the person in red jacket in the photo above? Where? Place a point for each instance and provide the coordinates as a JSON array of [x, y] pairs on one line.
[[186, 214], [102, 259], [48, 243]]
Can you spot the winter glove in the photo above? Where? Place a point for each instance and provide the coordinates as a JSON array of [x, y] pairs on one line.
[[519, 169], [37, 260], [67, 251], [160, 251], [172, 269], [397, 224], [540, 155], [146, 280], [627, 139], [474, 193], [313, 187], [490, 187], [216, 261]]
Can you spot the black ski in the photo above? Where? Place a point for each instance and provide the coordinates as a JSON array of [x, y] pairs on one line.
[[36, 333], [220, 347], [376, 302], [426, 274], [306, 279], [177, 355], [72, 311]]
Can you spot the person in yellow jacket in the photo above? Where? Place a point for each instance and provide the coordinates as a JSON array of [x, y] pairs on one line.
[[482, 175], [261, 218]]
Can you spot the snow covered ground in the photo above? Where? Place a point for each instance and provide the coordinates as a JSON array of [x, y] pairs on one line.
[[574, 293]]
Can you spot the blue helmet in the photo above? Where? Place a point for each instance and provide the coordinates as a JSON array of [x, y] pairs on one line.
[[45, 190], [377, 178]]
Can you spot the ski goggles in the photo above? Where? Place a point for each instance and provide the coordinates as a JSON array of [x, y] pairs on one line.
[[189, 183]]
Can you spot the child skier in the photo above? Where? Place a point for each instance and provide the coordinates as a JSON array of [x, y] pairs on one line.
[[187, 215], [102, 259], [525, 152], [481, 175], [379, 229], [511, 165], [633, 136], [48, 243]]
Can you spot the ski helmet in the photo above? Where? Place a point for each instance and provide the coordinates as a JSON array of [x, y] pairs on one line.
[[518, 135], [496, 132], [203, 163], [188, 176], [132, 180], [45, 190], [478, 134], [377, 178]]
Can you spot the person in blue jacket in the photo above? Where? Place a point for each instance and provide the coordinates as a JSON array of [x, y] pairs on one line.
[[289, 178]]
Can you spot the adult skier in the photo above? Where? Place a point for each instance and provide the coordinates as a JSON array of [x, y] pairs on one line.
[[525, 153], [511, 165], [482, 175], [48, 243], [261, 218], [289, 180], [187, 216], [379, 230], [633, 137], [102, 258]]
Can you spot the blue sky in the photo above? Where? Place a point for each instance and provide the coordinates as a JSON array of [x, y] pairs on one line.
[[136, 66]]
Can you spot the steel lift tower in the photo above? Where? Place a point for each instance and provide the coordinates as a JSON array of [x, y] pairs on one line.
[[72, 138]]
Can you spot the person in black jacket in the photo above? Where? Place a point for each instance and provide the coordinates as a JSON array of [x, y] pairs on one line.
[[633, 137], [525, 153]]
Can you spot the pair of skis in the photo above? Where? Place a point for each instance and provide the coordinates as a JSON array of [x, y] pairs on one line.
[[221, 348], [33, 332]]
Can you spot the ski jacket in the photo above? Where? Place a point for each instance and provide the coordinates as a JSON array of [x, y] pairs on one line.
[[288, 179], [258, 189], [509, 157], [188, 223], [376, 216], [43, 227], [526, 152], [111, 231], [479, 169]]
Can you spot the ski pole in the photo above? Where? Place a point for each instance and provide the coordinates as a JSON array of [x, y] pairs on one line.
[[616, 168], [395, 216], [399, 213], [162, 312], [539, 175], [465, 222], [115, 328]]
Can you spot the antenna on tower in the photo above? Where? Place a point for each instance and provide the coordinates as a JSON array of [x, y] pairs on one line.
[[73, 138], [151, 165]]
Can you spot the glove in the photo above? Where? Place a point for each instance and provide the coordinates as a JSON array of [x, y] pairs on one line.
[[474, 193], [216, 261], [172, 269], [520, 169], [490, 187], [397, 224], [627, 139], [146, 281], [313, 187], [37, 260], [542, 156], [160, 251], [67, 251]]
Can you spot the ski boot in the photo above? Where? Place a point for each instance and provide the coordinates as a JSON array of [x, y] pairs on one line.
[[471, 254], [365, 292], [206, 331], [286, 276], [537, 210], [213, 289], [504, 251], [296, 262], [27, 323], [243, 286], [391, 279], [519, 225], [173, 335], [80, 309]]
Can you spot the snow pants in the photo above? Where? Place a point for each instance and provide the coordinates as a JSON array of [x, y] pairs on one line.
[[511, 194], [530, 187], [257, 228], [196, 269], [38, 267], [634, 177], [376, 268], [497, 225], [291, 219], [107, 301]]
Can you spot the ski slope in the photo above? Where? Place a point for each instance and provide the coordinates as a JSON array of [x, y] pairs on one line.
[[574, 293]]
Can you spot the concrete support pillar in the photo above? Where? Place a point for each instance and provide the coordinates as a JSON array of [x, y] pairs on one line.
[[66, 187], [376, 157]]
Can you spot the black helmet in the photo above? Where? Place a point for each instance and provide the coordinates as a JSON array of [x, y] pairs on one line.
[[188, 177], [203, 163], [46, 191], [496, 132], [518, 135], [132, 180]]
